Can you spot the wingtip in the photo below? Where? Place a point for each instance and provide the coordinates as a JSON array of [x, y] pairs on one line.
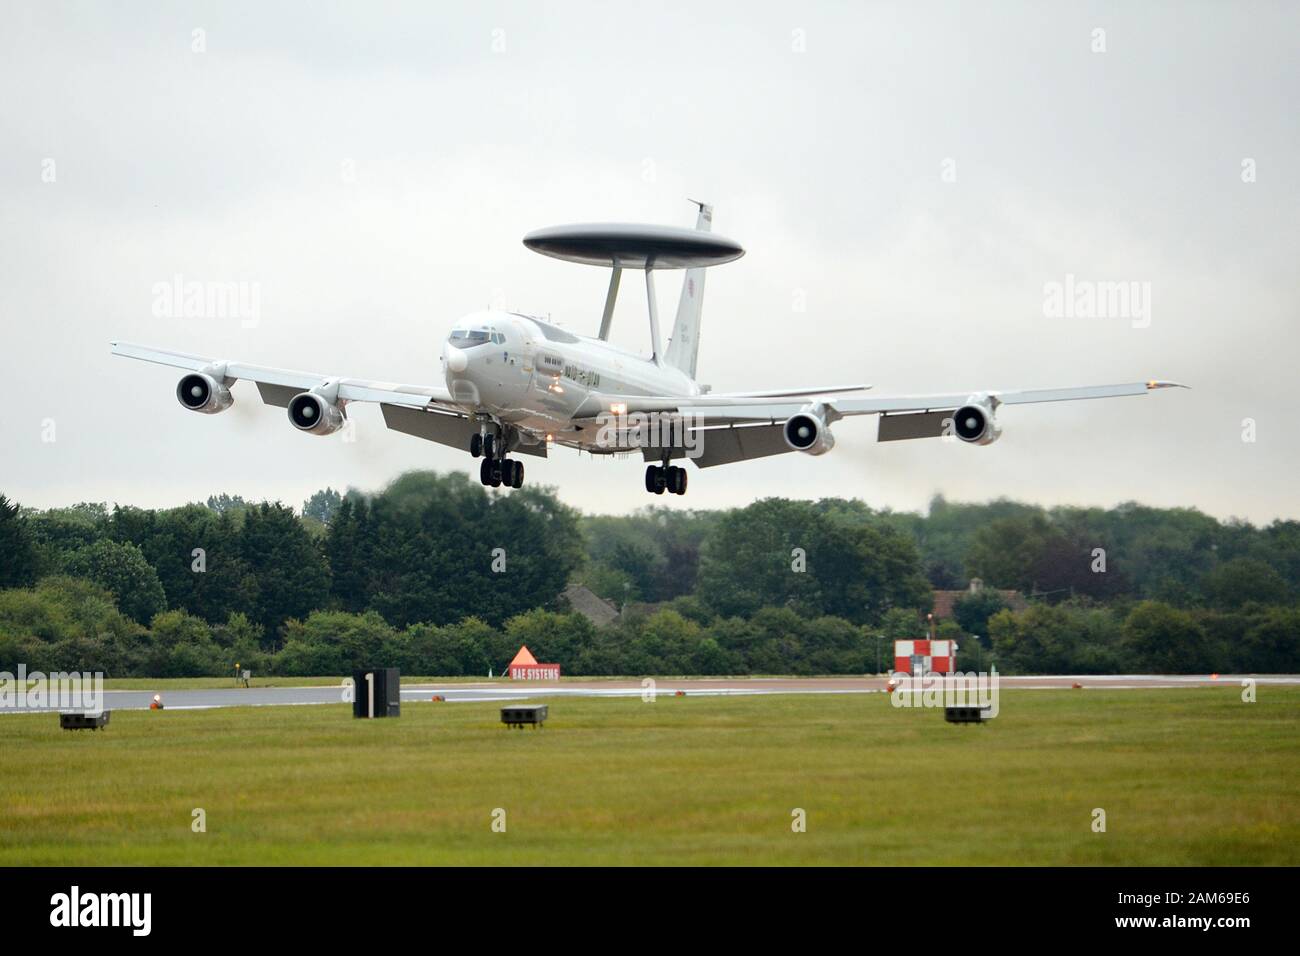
[[1155, 383]]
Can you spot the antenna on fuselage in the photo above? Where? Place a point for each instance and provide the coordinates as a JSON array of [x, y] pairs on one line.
[[620, 246]]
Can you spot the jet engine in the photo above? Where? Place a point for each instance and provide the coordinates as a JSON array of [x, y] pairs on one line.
[[808, 432], [975, 423], [311, 413], [200, 392]]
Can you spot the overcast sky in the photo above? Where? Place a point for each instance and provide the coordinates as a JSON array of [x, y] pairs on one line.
[[906, 179]]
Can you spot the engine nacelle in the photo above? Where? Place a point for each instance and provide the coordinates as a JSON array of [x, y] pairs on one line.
[[200, 392], [311, 413], [808, 433], [976, 423]]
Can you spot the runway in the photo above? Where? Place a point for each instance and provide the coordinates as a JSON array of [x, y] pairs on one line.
[[505, 691]]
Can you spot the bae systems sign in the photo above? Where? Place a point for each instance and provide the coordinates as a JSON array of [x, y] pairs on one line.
[[525, 667]]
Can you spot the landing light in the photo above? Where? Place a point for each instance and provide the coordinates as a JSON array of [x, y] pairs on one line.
[[618, 408]]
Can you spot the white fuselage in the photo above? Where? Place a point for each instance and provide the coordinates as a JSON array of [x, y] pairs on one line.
[[526, 372]]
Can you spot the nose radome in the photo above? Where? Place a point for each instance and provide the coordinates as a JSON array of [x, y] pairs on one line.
[[456, 359]]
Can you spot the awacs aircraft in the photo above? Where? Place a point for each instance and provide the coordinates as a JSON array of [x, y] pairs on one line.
[[516, 384]]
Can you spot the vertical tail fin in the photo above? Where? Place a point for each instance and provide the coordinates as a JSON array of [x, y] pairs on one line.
[[684, 345]]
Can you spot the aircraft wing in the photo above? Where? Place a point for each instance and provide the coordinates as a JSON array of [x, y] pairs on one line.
[[278, 385], [790, 392], [757, 406], [737, 429]]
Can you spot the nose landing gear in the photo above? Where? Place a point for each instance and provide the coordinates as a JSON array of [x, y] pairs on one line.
[[669, 478]]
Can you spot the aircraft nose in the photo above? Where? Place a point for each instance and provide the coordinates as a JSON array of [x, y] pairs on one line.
[[456, 359]]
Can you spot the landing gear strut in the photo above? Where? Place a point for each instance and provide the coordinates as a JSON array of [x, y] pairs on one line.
[[661, 478]]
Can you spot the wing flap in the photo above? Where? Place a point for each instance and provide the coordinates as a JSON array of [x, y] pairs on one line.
[[278, 395], [907, 425], [445, 429]]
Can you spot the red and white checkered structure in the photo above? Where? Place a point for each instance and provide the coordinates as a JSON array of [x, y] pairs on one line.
[[925, 657]]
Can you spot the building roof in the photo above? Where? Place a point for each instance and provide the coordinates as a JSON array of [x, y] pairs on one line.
[[945, 600], [590, 604]]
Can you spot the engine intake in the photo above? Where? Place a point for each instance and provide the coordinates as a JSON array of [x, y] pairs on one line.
[[808, 433], [310, 413], [976, 424], [200, 392]]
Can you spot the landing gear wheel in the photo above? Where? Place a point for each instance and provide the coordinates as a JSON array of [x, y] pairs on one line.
[[677, 480], [475, 445], [661, 480], [485, 471], [494, 477], [517, 475], [489, 445], [650, 478], [508, 469]]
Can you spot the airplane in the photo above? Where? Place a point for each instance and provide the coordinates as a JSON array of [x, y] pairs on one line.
[[517, 384]]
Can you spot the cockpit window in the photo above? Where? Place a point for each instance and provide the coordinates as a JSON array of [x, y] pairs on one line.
[[468, 338]]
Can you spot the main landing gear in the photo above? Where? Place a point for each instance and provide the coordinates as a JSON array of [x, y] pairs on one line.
[[661, 478], [502, 471], [495, 471]]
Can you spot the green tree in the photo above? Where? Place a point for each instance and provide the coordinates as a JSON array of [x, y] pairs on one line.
[[338, 643], [226, 504], [1166, 640], [1241, 581], [196, 553], [1036, 640], [443, 549], [292, 576], [1271, 643], [121, 568], [789, 553], [181, 645], [553, 638], [351, 557], [18, 560], [66, 624], [973, 610], [322, 505]]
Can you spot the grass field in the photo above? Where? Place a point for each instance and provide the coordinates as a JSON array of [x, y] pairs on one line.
[[1185, 777]]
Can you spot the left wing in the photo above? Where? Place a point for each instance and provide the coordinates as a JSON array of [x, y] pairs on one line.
[[737, 429], [754, 406]]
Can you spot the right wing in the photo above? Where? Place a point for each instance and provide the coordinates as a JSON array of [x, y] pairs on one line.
[[425, 411], [278, 385]]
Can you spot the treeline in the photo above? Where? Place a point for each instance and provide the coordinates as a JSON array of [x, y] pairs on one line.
[[69, 624], [428, 548], [1128, 553], [438, 576]]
